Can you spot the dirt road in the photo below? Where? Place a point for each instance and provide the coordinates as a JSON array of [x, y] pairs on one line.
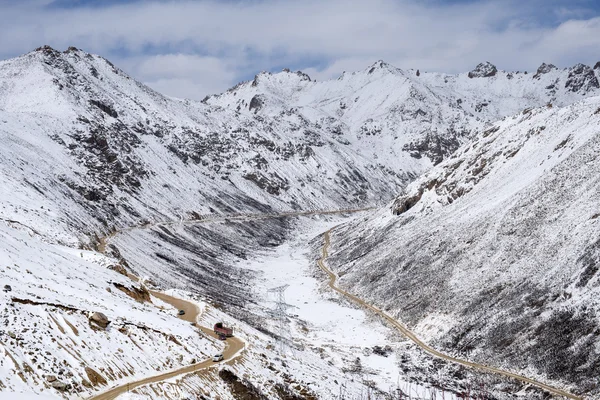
[[233, 347], [410, 335]]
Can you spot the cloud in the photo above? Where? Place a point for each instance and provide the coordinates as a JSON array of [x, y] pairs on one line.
[[186, 75], [192, 48]]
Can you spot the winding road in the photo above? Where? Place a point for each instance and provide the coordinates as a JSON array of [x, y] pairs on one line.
[[410, 335], [235, 345]]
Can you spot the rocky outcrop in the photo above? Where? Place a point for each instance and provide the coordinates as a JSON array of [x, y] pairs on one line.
[[118, 268], [405, 203], [256, 103], [60, 386], [99, 319], [105, 108], [582, 78], [484, 70], [543, 69], [304, 76], [273, 184], [241, 388], [138, 294], [434, 146]]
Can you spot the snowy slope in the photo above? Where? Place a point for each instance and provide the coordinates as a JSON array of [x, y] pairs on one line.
[[86, 150], [48, 345], [88, 137], [496, 248]]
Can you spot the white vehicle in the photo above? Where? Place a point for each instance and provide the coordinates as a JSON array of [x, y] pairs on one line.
[[218, 357]]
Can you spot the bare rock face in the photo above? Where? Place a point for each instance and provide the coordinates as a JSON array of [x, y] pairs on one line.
[[405, 203], [582, 78], [99, 319], [484, 70], [543, 69], [256, 103]]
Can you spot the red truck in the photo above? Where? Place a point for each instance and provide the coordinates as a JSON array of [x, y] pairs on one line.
[[220, 329]]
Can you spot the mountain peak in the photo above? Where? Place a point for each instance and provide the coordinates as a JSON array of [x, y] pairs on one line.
[[544, 69], [51, 51], [303, 76], [382, 66], [484, 70], [379, 64], [286, 72], [46, 49], [72, 49]]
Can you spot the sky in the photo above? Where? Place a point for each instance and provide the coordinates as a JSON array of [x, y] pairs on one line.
[[189, 49]]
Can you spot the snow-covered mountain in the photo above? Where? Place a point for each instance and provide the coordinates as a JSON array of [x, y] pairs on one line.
[[493, 255], [85, 135], [86, 150], [90, 138], [424, 114]]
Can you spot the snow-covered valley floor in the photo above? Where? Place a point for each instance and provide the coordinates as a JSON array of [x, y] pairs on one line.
[[324, 344], [328, 346], [347, 337]]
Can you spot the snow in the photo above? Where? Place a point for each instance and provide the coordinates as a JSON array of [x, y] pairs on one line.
[[66, 284], [508, 241], [86, 151], [28, 396]]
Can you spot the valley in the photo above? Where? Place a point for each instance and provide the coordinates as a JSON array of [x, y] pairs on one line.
[[388, 234]]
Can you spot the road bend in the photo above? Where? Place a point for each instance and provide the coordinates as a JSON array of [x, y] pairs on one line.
[[233, 346]]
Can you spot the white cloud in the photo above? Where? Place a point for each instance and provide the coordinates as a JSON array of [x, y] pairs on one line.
[[183, 75], [191, 48]]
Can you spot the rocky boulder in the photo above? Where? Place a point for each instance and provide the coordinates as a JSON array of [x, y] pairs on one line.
[[484, 70], [60, 386], [99, 319]]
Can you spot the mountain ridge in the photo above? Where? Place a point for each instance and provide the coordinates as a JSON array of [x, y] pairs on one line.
[[86, 150], [505, 235]]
